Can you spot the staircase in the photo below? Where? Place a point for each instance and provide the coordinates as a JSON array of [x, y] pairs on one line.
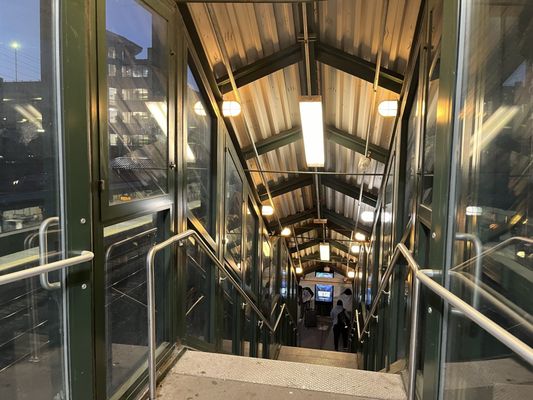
[[199, 375]]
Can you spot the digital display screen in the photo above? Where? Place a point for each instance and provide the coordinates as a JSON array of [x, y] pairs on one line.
[[324, 293], [324, 274]]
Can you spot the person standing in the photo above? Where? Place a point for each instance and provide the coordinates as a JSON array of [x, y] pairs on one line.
[[347, 301], [340, 325]]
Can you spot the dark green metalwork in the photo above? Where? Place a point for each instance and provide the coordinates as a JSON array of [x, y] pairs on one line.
[[356, 144], [273, 142], [349, 189], [358, 67], [285, 186], [261, 68]]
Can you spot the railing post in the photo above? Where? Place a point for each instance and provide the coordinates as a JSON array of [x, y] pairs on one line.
[[152, 371], [413, 340]]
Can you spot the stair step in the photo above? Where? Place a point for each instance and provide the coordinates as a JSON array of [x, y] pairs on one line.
[[200, 375], [318, 357]]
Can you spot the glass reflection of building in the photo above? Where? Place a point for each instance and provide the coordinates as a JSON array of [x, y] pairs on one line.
[[137, 119]]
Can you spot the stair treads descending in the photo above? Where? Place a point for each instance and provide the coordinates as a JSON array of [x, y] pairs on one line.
[[318, 378], [318, 357]]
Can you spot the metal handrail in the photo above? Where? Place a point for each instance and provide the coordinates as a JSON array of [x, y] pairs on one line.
[[85, 256], [511, 341], [478, 270], [198, 301], [150, 258], [43, 252]]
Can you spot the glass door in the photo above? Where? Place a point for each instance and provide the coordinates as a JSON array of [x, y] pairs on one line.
[[33, 329]]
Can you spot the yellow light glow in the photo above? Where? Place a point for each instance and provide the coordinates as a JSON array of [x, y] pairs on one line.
[[388, 108], [286, 231], [15, 45], [231, 108], [356, 248], [521, 254], [351, 274], [199, 109], [360, 237], [158, 109], [299, 270], [189, 156], [267, 210]]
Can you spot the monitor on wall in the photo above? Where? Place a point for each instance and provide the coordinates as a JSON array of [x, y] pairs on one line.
[[320, 274], [324, 293]]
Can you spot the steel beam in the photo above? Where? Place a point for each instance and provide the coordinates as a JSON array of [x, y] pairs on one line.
[[349, 189], [339, 246], [304, 245], [294, 218], [342, 221], [273, 142], [262, 67], [358, 67], [357, 144], [316, 257], [285, 186]]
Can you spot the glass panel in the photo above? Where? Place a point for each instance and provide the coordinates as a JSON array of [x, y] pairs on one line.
[[198, 154], [252, 226], [198, 311], [250, 343], [137, 50], [126, 245], [411, 154], [29, 136], [32, 324], [234, 202], [265, 276], [433, 73], [494, 203], [228, 317]]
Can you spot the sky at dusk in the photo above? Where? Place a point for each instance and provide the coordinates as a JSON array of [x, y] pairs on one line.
[[20, 23]]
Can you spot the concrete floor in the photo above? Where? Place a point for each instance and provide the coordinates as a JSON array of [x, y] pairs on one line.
[[200, 375]]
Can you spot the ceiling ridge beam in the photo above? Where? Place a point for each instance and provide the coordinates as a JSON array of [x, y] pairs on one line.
[[358, 67], [285, 186], [349, 189], [273, 142], [356, 144], [262, 67]]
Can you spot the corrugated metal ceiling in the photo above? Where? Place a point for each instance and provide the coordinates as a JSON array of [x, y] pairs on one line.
[[270, 104]]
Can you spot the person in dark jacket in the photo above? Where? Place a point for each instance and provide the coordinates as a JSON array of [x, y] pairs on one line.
[[340, 325]]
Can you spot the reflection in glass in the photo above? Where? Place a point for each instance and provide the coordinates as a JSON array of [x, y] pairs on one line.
[[411, 153], [198, 294], [137, 49], [432, 76], [29, 137], [126, 246], [494, 203], [233, 207], [228, 317], [265, 275], [198, 154], [252, 226]]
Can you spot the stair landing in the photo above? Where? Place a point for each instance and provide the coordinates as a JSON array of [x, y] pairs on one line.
[[200, 375], [318, 357]]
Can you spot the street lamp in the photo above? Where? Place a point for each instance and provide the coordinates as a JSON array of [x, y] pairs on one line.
[[15, 46]]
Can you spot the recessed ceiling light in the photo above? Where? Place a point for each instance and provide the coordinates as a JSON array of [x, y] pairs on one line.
[[299, 270], [388, 108], [312, 130], [267, 210], [231, 108], [356, 248], [351, 274]]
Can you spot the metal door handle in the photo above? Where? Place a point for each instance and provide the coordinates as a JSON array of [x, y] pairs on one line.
[[43, 253]]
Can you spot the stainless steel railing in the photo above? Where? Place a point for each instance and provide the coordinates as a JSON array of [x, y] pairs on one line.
[[150, 258], [424, 277]]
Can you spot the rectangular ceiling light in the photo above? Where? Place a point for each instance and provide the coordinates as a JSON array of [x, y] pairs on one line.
[[324, 251], [313, 130]]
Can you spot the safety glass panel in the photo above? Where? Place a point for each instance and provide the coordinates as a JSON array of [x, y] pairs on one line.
[[137, 79]]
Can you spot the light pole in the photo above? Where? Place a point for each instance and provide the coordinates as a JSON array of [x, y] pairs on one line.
[[15, 46]]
